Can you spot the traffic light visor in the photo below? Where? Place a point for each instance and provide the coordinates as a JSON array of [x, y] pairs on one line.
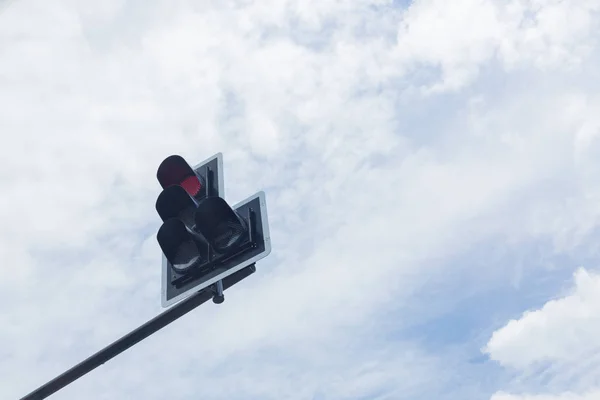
[[174, 170], [174, 202], [178, 245], [219, 224]]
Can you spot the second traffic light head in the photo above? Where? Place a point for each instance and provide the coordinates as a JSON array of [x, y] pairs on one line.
[[212, 219]]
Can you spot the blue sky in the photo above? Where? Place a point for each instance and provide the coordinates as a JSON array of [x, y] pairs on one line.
[[431, 171]]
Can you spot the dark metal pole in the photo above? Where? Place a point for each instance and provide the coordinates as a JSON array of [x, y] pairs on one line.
[[133, 337]]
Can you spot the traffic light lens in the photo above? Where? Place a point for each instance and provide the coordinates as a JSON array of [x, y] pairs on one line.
[[186, 256], [227, 235], [175, 202], [180, 248], [219, 224], [192, 185], [174, 170]]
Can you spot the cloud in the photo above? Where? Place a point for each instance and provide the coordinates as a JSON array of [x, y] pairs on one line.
[[390, 141], [563, 330], [565, 396], [462, 37], [556, 343]]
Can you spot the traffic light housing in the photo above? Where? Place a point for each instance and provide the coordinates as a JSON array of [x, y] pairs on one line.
[[203, 238]]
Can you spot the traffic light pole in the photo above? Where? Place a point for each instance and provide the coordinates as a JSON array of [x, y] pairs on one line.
[[135, 336]]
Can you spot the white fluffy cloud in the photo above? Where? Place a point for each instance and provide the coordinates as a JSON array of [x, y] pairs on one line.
[[386, 137], [558, 341], [563, 330]]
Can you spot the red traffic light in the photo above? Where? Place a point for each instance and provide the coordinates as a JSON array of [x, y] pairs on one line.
[[174, 170]]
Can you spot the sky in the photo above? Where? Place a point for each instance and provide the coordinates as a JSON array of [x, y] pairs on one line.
[[432, 173]]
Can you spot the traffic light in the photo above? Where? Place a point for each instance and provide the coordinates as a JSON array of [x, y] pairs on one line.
[[204, 180], [203, 238]]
